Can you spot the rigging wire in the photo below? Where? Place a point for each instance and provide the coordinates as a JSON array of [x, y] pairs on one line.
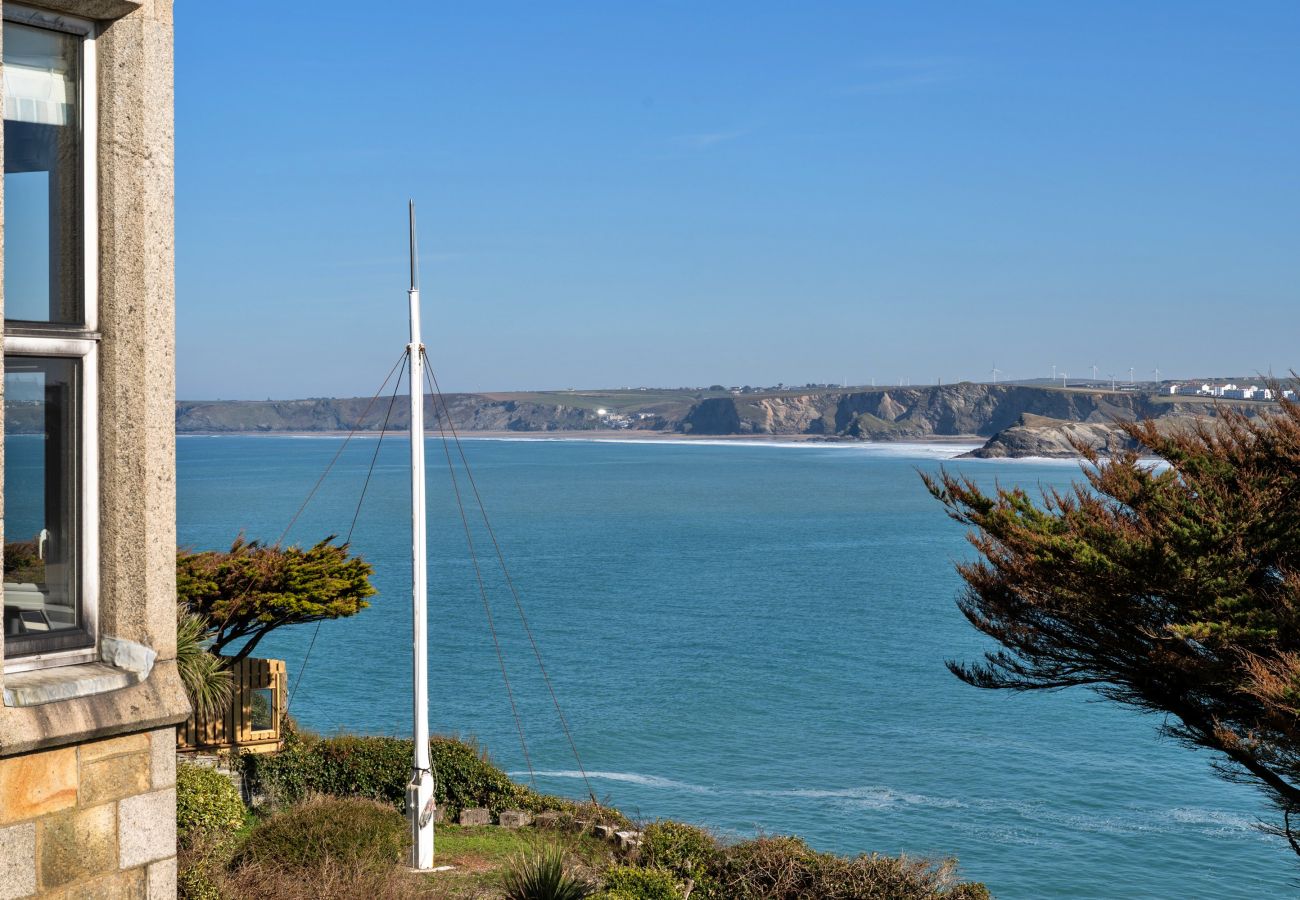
[[383, 430], [356, 426], [436, 389], [482, 588], [365, 485], [439, 398]]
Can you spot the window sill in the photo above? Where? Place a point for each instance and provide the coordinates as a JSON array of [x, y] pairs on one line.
[[121, 664], [151, 701], [65, 683]]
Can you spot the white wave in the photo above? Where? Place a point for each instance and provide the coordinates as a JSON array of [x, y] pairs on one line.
[[626, 777], [942, 449], [1124, 821], [880, 797], [1217, 819], [867, 797], [1072, 461], [1155, 465]]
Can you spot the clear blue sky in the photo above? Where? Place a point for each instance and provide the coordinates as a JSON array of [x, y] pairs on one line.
[[687, 193]]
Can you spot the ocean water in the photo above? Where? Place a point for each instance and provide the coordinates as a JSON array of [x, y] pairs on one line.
[[749, 637]]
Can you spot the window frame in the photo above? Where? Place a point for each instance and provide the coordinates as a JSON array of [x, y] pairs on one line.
[[79, 341]]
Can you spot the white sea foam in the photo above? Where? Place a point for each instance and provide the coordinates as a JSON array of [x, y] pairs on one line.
[[939, 449], [1133, 820], [881, 797], [867, 797], [1215, 819], [653, 781]]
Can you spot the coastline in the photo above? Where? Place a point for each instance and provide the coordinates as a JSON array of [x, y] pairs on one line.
[[629, 436], [952, 447]]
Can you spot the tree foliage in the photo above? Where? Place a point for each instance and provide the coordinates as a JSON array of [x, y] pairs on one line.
[[1174, 589], [207, 681], [253, 588]]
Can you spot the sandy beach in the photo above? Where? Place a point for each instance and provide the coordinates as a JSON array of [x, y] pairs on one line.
[[612, 435]]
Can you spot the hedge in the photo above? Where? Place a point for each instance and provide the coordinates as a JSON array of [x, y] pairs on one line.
[[686, 851], [378, 768], [639, 883], [207, 804]]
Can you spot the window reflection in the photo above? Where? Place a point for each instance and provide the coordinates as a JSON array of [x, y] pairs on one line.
[[40, 560], [262, 710], [43, 190]]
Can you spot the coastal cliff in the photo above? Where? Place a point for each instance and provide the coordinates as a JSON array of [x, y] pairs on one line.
[[1016, 420], [958, 410], [468, 412]]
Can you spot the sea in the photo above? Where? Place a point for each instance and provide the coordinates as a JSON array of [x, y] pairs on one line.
[[746, 636]]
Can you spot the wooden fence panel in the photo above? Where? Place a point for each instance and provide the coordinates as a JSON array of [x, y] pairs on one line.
[[252, 720]]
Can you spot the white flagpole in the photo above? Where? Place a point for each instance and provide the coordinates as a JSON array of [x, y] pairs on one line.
[[419, 792]]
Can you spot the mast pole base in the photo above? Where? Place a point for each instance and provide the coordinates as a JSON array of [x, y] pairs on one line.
[[420, 813]]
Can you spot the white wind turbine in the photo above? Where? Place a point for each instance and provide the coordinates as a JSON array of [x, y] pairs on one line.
[[995, 372]]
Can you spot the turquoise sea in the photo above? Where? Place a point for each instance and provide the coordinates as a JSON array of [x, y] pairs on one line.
[[750, 637]]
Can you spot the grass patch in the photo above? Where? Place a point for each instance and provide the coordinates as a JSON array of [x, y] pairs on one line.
[[482, 855]]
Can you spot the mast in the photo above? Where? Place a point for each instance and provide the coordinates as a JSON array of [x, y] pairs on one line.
[[419, 792]]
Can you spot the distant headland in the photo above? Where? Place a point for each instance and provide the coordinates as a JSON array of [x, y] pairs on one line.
[[1013, 420]]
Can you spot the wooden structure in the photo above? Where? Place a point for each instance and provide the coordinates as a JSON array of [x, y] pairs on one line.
[[252, 721]]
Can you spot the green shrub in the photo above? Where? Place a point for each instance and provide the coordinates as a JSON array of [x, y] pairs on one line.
[[592, 813], [207, 804], [320, 829], [379, 768], [785, 868], [684, 850], [775, 868], [640, 883], [198, 875], [373, 767], [544, 876]]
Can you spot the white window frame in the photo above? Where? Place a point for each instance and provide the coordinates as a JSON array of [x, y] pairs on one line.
[[77, 342]]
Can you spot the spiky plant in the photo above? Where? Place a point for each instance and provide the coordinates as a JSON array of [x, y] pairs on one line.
[[543, 876], [206, 680]]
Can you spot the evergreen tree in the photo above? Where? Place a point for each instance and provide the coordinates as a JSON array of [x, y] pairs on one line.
[[253, 589], [1174, 589]]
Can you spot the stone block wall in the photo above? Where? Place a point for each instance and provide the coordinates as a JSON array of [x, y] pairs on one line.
[[96, 820]]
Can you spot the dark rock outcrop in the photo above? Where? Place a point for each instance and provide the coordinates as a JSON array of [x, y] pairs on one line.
[[1038, 436]]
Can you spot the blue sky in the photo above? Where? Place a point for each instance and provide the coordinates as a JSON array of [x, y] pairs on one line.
[[683, 193]]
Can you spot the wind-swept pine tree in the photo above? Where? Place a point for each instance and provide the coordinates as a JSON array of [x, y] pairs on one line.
[[249, 591], [1174, 589]]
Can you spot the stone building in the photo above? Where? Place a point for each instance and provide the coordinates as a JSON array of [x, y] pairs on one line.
[[91, 693]]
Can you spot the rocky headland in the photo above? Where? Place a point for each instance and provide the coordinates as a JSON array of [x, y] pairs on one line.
[[1013, 420]]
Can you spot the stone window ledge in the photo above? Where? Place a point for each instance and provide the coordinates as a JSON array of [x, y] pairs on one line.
[[121, 664], [65, 683], [138, 702]]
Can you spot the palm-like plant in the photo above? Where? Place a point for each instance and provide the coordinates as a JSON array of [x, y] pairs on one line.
[[207, 681], [544, 876]]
